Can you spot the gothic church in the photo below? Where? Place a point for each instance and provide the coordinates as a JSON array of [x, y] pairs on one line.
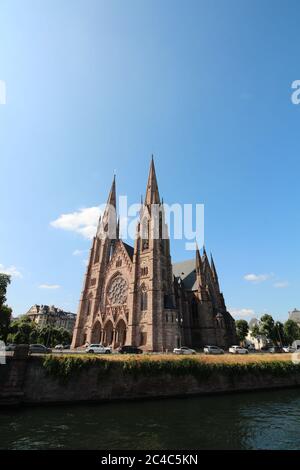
[[135, 296]]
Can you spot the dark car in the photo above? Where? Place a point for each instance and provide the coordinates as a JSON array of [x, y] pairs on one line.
[[275, 349], [10, 347], [39, 348], [129, 350]]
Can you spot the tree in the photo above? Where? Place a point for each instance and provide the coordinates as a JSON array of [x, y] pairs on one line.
[[5, 319], [291, 331], [21, 330], [4, 282], [242, 329], [267, 327], [279, 336], [255, 332], [5, 311]]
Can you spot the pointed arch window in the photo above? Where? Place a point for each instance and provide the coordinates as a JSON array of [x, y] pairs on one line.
[[144, 299], [145, 233], [97, 254]]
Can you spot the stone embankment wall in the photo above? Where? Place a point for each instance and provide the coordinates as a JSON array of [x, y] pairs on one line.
[[30, 380]]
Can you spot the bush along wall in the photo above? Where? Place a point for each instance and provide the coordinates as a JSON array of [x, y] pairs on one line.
[[66, 367]]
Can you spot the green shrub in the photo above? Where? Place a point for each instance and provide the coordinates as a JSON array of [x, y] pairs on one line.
[[64, 367]]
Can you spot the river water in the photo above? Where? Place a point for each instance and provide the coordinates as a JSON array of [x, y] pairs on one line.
[[259, 420]]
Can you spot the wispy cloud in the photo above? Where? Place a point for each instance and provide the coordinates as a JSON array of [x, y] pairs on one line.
[[242, 312], [11, 271], [257, 278], [83, 221], [281, 284], [79, 252], [49, 286]]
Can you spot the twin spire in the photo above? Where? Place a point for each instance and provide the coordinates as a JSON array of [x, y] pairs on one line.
[[152, 193]]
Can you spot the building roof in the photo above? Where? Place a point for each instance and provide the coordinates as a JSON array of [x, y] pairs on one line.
[[129, 249], [295, 315], [186, 271]]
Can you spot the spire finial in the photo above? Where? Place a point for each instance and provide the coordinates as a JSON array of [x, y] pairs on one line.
[[152, 194]]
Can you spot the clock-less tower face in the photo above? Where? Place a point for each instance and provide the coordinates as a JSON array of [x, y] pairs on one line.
[[117, 291]]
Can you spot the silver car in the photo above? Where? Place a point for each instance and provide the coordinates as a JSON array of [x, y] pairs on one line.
[[98, 349], [213, 350]]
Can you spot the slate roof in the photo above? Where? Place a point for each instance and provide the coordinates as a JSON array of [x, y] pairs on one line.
[[129, 249], [186, 270]]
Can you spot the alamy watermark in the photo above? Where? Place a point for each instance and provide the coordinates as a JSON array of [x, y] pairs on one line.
[[153, 222], [2, 92]]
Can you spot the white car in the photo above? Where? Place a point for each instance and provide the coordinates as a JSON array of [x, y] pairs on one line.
[[288, 349], [213, 350], [184, 350], [98, 349], [238, 350]]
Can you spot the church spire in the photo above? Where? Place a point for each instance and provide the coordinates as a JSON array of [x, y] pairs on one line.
[[109, 216], [152, 194], [112, 199], [213, 268], [198, 260]]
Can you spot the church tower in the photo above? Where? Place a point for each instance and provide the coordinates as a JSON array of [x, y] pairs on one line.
[[153, 320], [101, 251]]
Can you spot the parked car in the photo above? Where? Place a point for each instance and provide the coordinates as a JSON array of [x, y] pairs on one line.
[[289, 349], [251, 348], [67, 346], [10, 347], [275, 350], [129, 350], [213, 350], [184, 350], [39, 348], [238, 350], [59, 347], [98, 349]]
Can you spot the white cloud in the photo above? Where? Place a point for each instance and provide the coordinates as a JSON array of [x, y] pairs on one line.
[[281, 284], [11, 271], [79, 252], [256, 278], [84, 221], [242, 312], [49, 286]]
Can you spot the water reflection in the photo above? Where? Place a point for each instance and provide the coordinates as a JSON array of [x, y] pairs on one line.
[[266, 420]]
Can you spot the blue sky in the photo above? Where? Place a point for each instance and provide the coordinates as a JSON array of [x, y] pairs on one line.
[[96, 86]]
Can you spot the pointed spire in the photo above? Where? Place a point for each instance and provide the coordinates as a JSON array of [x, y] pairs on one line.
[[118, 229], [198, 260], [109, 215], [205, 257], [112, 199], [152, 194], [213, 268]]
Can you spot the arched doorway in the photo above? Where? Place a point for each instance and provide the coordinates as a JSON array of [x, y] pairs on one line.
[[96, 333], [120, 337], [108, 331]]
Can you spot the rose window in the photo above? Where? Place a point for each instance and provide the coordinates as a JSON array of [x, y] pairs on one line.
[[117, 292]]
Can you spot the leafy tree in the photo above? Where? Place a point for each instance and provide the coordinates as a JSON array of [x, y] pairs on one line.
[[24, 330], [21, 330], [5, 319], [267, 328], [4, 282], [255, 332], [5, 311], [242, 329], [291, 331], [279, 335]]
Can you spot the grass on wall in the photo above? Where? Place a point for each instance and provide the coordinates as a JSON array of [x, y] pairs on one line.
[[64, 367]]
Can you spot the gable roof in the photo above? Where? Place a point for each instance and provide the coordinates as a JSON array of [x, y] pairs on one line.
[[186, 271], [129, 249]]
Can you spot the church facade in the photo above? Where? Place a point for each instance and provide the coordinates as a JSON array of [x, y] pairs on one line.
[[135, 296]]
